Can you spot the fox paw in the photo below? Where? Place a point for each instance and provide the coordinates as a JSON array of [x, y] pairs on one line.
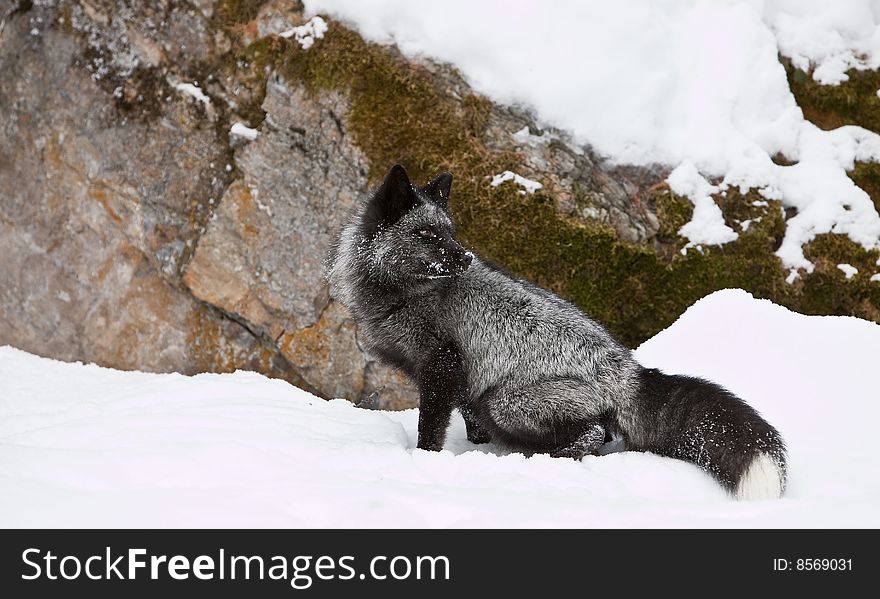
[[588, 443], [478, 437]]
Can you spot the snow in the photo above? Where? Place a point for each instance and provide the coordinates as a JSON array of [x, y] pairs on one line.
[[673, 82], [242, 130], [817, 33], [849, 270], [192, 90], [524, 137], [307, 33], [528, 185], [87, 446], [707, 225]]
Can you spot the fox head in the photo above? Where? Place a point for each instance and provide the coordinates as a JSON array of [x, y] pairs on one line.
[[413, 236]]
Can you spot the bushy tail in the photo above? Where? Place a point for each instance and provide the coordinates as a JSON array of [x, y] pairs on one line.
[[701, 422]]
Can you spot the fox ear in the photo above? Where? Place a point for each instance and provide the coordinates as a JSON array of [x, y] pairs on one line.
[[438, 189], [394, 197]]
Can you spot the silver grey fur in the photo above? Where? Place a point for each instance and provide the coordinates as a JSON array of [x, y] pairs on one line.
[[523, 366], [543, 358]]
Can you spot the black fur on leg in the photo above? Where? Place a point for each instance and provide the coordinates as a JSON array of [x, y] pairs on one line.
[[476, 434], [588, 443], [441, 385]]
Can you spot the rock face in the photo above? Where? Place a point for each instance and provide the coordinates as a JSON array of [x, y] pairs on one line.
[[616, 197], [137, 233], [100, 209], [261, 257]]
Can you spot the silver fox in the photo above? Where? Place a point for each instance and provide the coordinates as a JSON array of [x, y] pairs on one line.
[[524, 367]]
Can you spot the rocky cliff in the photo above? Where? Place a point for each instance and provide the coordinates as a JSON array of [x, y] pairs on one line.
[[172, 174]]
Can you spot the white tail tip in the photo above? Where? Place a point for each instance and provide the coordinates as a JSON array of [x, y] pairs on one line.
[[763, 480]]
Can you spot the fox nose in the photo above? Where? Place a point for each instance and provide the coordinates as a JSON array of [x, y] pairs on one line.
[[465, 260]]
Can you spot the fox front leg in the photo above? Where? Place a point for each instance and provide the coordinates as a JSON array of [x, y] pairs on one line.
[[441, 383]]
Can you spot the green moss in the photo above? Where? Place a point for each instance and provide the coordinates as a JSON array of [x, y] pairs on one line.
[[580, 196], [867, 176], [251, 66], [234, 14], [673, 212], [398, 114], [629, 287], [637, 292], [853, 102], [827, 291]]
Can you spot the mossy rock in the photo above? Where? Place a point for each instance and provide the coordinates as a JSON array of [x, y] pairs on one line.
[[867, 176], [673, 212], [234, 14], [827, 290], [852, 102], [401, 113]]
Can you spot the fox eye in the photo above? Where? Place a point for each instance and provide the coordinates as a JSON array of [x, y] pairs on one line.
[[425, 232]]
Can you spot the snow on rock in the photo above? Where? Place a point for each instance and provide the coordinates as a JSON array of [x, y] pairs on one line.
[[524, 137], [670, 82], [707, 224], [87, 446], [192, 90], [307, 33], [849, 270], [817, 33], [241, 130], [528, 185], [745, 224]]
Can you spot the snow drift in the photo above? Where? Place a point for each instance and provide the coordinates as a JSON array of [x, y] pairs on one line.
[[87, 446]]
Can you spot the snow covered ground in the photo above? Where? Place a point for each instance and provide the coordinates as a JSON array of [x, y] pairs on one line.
[[691, 84], [87, 446]]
